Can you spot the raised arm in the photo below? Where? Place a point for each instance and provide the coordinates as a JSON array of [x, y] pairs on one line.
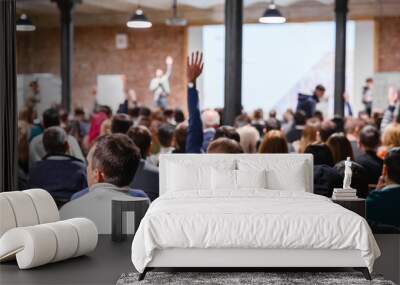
[[169, 61], [194, 140]]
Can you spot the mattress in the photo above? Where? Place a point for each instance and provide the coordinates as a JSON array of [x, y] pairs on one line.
[[250, 219]]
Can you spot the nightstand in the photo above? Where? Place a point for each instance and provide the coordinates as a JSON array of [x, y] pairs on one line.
[[355, 205]]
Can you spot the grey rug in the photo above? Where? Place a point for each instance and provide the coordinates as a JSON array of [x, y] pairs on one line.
[[243, 278]]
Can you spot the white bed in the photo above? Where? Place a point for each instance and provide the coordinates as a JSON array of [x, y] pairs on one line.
[[247, 211]]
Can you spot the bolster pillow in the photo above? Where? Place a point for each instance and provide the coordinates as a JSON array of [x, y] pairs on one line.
[[33, 246]]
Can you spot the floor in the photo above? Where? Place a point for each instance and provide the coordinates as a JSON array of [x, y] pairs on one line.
[[103, 266]]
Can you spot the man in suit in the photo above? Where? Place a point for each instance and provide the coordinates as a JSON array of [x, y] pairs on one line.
[[146, 177], [368, 144], [383, 203], [59, 173]]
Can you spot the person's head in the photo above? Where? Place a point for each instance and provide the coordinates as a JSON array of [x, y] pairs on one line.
[[319, 115], [327, 129], [369, 138], [120, 124], [210, 118], [309, 136], [180, 136], [165, 135], [227, 132], [179, 116], [224, 145], [242, 120], [55, 140], [272, 124], [141, 136], [274, 142], [106, 110], [340, 147], [272, 114], [391, 166], [258, 114], [321, 153], [159, 72], [391, 135], [134, 112], [79, 113], [105, 127], [353, 126], [112, 159], [34, 86], [145, 112], [299, 118], [319, 91], [50, 118]]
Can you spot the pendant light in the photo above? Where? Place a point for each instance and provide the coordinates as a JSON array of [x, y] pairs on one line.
[[175, 20], [139, 20], [24, 24], [272, 15]]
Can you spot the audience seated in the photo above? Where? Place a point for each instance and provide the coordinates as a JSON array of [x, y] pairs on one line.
[[36, 148], [390, 138], [120, 124], [326, 178], [60, 174], [146, 176], [358, 179], [369, 142], [274, 142], [165, 134], [211, 121], [224, 145], [309, 136], [383, 203], [327, 128], [352, 129], [179, 116], [258, 121], [295, 132], [227, 132], [340, 147], [107, 157]]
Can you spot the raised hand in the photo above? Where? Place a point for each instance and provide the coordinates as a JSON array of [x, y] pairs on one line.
[[194, 66], [169, 60]]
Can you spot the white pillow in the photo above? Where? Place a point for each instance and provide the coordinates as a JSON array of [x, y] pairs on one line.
[[278, 180], [192, 176], [223, 179], [251, 178]]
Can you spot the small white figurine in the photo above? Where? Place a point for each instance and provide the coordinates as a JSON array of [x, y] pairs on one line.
[[347, 174]]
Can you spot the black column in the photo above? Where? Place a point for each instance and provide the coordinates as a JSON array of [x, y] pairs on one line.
[[66, 8], [8, 98], [233, 59], [340, 55]]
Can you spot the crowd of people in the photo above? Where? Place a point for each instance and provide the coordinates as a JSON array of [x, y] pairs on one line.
[[71, 155]]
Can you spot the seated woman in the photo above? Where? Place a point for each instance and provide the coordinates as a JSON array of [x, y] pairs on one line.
[[340, 147], [274, 142], [325, 176]]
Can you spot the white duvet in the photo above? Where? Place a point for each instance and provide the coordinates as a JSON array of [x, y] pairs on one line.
[[250, 219]]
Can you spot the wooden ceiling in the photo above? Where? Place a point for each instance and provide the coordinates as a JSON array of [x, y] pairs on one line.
[[199, 12]]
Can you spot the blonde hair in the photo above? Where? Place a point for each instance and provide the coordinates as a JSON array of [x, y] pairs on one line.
[[309, 136], [391, 135], [274, 142], [105, 128]]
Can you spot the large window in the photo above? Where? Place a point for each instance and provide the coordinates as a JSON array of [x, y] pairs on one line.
[[278, 62]]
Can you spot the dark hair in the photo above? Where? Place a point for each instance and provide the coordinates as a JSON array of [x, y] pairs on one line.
[[179, 116], [359, 179], [340, 147], [321, 153], [180, 137], [319, 115], [79, 111], [326, 130], [320, 87], [141, 136], [300, 118], [54, 140], [106, 110], [392, 162], [224, 145], [120, 124], [370, 137], [117, 157], [227, 132], [145, 112], [165, 134], [134, 112], [274, 142], [50, 118], [168, 113], [369, 79]]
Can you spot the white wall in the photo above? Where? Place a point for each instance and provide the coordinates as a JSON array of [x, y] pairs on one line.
[[363, 61], [195, 43]]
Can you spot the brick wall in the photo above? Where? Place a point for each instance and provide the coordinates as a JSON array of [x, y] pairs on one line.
[[388, 44], [95, 53]]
